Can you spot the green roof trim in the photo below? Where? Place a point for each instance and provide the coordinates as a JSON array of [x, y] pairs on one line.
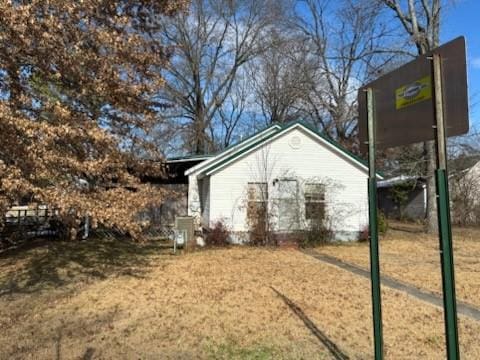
[[224, 152], [284, 128], [239, 153]]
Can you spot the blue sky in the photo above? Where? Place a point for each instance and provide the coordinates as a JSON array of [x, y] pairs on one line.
[[463, 18]]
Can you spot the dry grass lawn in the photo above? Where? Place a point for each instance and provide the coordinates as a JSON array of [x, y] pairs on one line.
[[414, 258], [117, 300]]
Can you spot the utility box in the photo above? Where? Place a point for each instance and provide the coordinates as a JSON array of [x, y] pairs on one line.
[[185, 225]]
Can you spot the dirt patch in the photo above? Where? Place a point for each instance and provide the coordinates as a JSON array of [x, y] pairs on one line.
[[209, 304]]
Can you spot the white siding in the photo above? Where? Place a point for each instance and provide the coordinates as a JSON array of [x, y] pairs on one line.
[[205, 201], [347, 199], [194, 206]]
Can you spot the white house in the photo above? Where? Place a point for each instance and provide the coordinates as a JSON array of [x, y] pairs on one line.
[[291, 170]]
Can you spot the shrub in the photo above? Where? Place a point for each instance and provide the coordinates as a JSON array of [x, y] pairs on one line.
[[316, 234], [382, 223], [382, 227], [364, 234], [259, 224], [217, 235]]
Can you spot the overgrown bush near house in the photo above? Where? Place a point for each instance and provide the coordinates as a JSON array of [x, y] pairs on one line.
[[318, 233], [364, 234], [259, 224], [259, 218], [217, 235], [382, 227]]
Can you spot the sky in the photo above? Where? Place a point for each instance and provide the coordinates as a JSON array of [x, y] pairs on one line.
[[462, 17]]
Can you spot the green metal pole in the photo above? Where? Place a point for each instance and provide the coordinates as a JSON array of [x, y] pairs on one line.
[[444, 223], [373, 230], [446, 254]]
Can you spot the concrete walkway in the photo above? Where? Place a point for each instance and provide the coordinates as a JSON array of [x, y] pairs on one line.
[[429, 297]]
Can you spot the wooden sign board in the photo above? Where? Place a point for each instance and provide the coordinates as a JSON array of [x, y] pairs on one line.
[[404, 99]]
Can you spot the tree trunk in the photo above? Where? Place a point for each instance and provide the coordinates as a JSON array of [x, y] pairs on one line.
[[200, 128], [426, 37], [199, 140]]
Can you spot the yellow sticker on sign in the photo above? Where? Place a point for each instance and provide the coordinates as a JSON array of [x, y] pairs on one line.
[[413, 93]]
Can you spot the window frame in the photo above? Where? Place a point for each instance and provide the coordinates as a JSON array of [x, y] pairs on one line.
[[312, 198], [262, 191]]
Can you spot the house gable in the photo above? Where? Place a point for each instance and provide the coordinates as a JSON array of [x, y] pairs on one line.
[[233, 149], [294, 155], [218, 164]]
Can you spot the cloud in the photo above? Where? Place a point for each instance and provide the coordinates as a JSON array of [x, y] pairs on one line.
[[475, 62]]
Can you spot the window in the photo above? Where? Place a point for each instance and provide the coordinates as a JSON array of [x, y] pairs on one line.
[[257, 191], [257, 200], [314, 201]]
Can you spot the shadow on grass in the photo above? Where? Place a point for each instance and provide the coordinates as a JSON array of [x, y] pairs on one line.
[[330, 345], [52, 264]]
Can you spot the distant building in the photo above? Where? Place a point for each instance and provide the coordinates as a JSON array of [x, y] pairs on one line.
[[174, 180], [403, 197]]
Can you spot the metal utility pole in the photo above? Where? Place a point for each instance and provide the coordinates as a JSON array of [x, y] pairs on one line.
[[373, 229], [444, 224]]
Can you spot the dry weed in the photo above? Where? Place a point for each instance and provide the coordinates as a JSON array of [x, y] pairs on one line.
[[211, 303]]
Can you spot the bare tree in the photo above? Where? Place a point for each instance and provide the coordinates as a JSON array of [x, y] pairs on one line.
[[421, 22], [229, 121], [213, 41], [465, 196], [350, 45], [260, 212], [464, 174], [281, 76]]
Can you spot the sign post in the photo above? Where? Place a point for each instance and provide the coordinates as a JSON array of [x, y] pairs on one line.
[[373, 229], [443, 212], [412, 104]]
